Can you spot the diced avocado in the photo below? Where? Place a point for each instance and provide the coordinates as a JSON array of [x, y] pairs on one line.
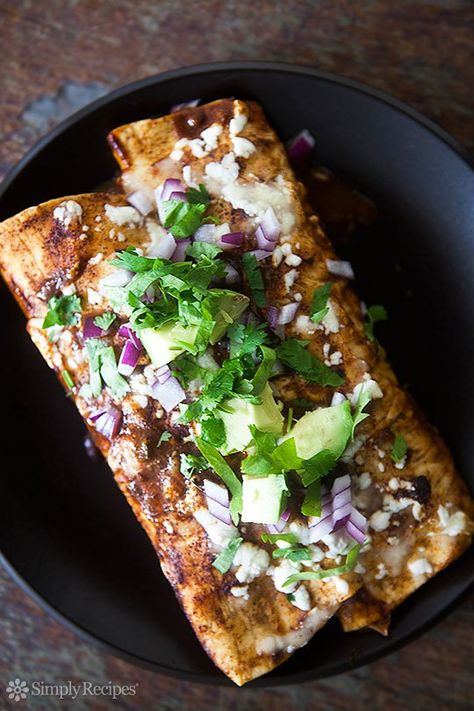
[[160, 343], [263, 498], [231, 306], [325, 428], [266, 417]]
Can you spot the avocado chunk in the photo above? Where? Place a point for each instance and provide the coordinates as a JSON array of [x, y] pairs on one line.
[[263, 498], [266, 417], [231, 306], [325, 428], [160, 343]]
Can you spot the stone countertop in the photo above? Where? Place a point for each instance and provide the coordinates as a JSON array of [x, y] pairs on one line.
[[61, 54]]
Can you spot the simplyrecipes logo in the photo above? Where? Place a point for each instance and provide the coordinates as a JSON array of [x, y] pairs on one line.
[[20, 690]]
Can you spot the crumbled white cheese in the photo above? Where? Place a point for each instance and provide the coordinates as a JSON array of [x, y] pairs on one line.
[[392, 540], [364, 481], [379, 520], [298, 296], [277, 256], [330, 321], [338, 543], [242, 146], [255, 199], [353, 447], [280, 573], [211, 233], [251, 561], [420, 567], [301, 599], [221, 174], [394, 484], [67, 212], [188, 178], [93, 296], [240, 591], [157, 234], [123, 215], [290, 278], [381, 467], [168, 527], [210, 136], [301, 531], [453, 524], [368, 386], [304, 325], [219, 533], [237, 124], [382, 572], [69, 290], [95, 260], [341, 585], [293, 260]]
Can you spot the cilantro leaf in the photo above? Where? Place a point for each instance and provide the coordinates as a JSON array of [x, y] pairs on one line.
[[198, 249], [62, 311], [130, 260], [226, 557], [103, 366], [164, 437], [399, 449], [259, 465], [224, 471], [274, 537], [254, 278], [264, 442], [182, 218], [105, 320], [351, 560], [189, 464], [67, 377], [246, 338], [290, 597], [264, 370], [293, 553], [311, 505], [286, 457], [198, 195], [213, 431], [374, 314], [319, 304], [318, 466], [295, 355], [359, 414]]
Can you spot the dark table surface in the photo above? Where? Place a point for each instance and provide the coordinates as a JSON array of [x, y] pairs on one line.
[[58, 55]]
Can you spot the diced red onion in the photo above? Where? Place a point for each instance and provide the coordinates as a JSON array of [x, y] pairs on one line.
[[270, 226], [126, 331], [232, 239], [108, 424], [163, 374], [341, 499], [232, 276], [170, 186], [128, 359], [184, 105], [321, 529], [300, 147], [216, 492], [165, 247], [278, 527], [140, 202], [357, 526], [262, 241], [354, 532], [218, 511], [260, 254], [119, 277], [287, 313], [169, 394], [341, 516], [340, 268], [90, 330], [205, 233], [178, 195], [95, 415], [341, 483], [179, 254], [272, 316]]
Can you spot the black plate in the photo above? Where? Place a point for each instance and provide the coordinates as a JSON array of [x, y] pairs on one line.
[[66, 533]]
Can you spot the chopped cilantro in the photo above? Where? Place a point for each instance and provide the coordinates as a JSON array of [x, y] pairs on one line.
[[290, 597], [319, 304], [274, 537], [164, 437], [399, 449], [198, 195], [311, 505], [189, 464], [105, 320], [213, 430], [228, 476], [182, 218], [359, 414], [374, 314], [295, 355], [293, 553], [285, 455], [226, 557], [67, 377], [351, 560], [246, 338], [264, 369], [62, 311], [198, 249], [318, 466], [130, 260], [103, 366], [254, 278]]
